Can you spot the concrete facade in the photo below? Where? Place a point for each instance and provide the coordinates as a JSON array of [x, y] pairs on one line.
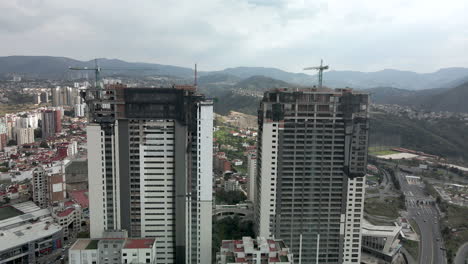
[[248, 250], [30, 236], [251, 175], [381, 242], [24, 135], [150, 162], [110, 250], [49, 186], [312, 159]]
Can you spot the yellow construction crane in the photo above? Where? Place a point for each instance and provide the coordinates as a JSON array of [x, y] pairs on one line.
[[320, 70]]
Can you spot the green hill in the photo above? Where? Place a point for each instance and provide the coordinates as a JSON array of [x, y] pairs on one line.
[[444, 137]]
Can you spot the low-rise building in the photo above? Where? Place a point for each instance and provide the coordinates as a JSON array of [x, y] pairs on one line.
[[29, 235], [237, 162], [381, 242], [49, 186], [115, 247], [231, 185], [413, 179], [249, 250], [69, 216]]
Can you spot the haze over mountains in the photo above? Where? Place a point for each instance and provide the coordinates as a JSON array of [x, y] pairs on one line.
[[449, 99], [57, 68], [443, 90]]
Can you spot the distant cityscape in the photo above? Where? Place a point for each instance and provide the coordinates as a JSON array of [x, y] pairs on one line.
[[143, 170]]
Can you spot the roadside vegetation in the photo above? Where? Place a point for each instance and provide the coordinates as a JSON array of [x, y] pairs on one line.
[[412, 247], [389, 207], [15, 108], [230, 228], [454, 229], [230, 197], [381, 150]]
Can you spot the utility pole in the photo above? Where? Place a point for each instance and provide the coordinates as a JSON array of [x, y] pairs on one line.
[[320, 70]]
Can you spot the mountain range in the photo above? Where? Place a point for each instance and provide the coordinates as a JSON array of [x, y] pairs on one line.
[[57, 68], [451, 99]]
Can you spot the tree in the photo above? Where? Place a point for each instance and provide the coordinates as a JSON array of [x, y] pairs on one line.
[[70, 113], [12, 143], [230, 228], [231, 197], [37, 133], [44, 144]]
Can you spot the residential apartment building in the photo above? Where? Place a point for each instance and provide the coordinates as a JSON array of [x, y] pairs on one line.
[[49, 186], [150, 168], [24, 135], [312, 155], [3, 134], [64, 96], [51, 123], [249, 250], [231, 185], [251, 175]]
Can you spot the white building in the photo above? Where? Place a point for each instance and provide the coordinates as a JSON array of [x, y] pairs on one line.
[[413, 179], [64, 96], [231, 185], [249, 250], [237, 162], [72, 148], [152, 170], [381, 242], [113, 249], [251, 175], [24, 135], [80, 110]]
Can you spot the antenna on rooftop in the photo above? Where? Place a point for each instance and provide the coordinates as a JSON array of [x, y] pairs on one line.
[[320, 70]]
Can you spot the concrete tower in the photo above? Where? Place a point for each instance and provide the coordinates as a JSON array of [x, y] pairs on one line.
[[312, 155], [150, 168]]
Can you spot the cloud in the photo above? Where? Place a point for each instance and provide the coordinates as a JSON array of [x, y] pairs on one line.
[[360, 35]]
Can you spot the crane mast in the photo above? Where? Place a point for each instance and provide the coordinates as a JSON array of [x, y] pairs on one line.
[[320, 70]]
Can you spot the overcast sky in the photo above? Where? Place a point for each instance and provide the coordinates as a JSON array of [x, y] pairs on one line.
[[361, 35]]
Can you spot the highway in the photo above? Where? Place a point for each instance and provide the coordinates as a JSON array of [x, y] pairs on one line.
[[422, 209]]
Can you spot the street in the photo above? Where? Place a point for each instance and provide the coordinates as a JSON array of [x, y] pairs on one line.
[[422, 209]]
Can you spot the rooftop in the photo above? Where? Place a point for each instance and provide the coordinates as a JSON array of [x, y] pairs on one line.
[[139, 243], [14, 236], [369, 229], [80, 197], [90, 244], [66, 212], [28, 212], [83, 243], [273, 250]]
